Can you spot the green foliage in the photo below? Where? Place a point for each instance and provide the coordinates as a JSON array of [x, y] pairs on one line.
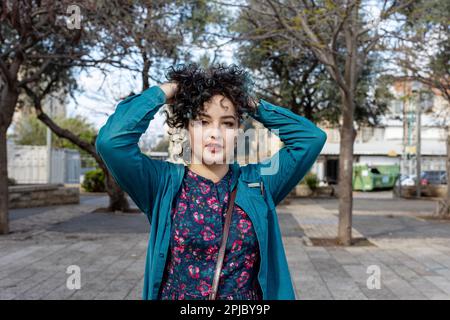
[[310, 180], [426, 32], [31, 131], [94, 181], [290, 75]]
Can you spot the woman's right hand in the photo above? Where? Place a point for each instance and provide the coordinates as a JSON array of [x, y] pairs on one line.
[[169, 88]]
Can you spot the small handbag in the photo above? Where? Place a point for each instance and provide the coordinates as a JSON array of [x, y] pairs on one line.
[[219, 263]]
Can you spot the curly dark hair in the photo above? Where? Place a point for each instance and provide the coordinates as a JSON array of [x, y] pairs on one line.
[[197, 86]]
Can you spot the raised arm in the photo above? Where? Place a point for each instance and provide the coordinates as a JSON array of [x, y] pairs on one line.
[[303, 141], [117, 144]]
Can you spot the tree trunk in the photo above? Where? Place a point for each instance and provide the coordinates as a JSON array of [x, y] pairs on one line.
[[145, 71], [4, 225], [117, 199], [345, 189], [7, 105], [447, 213]]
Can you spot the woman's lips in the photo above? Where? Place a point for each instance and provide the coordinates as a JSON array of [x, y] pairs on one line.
[[213, 147]]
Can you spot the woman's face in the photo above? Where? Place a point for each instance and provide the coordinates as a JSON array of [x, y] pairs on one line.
[[213, 134]]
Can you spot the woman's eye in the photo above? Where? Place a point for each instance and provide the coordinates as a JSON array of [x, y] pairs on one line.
[[204, 122], [229, 124]]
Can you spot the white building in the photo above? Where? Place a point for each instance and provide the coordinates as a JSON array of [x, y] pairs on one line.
[[394, 140]]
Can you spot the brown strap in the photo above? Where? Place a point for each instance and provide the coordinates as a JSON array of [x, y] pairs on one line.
[[213, 293]]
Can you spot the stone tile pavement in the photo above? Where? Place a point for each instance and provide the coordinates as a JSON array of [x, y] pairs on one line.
[[412, 254]]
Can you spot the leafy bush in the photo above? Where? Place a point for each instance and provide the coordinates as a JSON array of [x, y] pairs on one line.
[[310, 180], [94, 181], [11, 181]]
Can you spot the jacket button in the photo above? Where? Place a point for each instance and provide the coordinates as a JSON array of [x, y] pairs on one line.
[[161, 255]]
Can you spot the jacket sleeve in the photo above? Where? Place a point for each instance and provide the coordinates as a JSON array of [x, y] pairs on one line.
[[117, 145], [303, 141]]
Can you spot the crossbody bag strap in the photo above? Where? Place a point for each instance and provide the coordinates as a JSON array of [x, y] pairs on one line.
[[219, 263]]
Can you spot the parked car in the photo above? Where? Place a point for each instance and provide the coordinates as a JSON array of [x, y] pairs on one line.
[[406, 180], [433, 177]]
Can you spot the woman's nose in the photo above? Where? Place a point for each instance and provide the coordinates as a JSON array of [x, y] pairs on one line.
[[214, 131]]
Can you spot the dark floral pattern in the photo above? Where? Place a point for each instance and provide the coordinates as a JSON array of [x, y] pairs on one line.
[[198, 218]]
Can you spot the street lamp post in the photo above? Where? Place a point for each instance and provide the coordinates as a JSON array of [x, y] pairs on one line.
[[417, 99]]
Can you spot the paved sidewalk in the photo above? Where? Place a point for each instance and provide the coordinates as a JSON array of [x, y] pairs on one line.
[[412, 254], [109, 249]]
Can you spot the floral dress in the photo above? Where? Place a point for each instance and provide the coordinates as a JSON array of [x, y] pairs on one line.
[[198, 219]]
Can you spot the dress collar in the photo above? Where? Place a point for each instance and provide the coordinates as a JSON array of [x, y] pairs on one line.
[[195, 178], [178, 174]]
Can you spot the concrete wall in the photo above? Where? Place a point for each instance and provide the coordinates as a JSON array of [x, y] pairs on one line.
[[42, 195]]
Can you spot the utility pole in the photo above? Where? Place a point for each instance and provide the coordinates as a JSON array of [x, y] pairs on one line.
[[416, 98], [404, 158]]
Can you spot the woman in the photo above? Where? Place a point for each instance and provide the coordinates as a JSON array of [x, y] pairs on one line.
[[186, 205]]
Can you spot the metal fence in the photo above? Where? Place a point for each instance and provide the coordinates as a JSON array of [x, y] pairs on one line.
[[29, 164]]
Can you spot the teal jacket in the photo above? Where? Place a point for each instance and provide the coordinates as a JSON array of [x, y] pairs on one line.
[[153, 184]]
